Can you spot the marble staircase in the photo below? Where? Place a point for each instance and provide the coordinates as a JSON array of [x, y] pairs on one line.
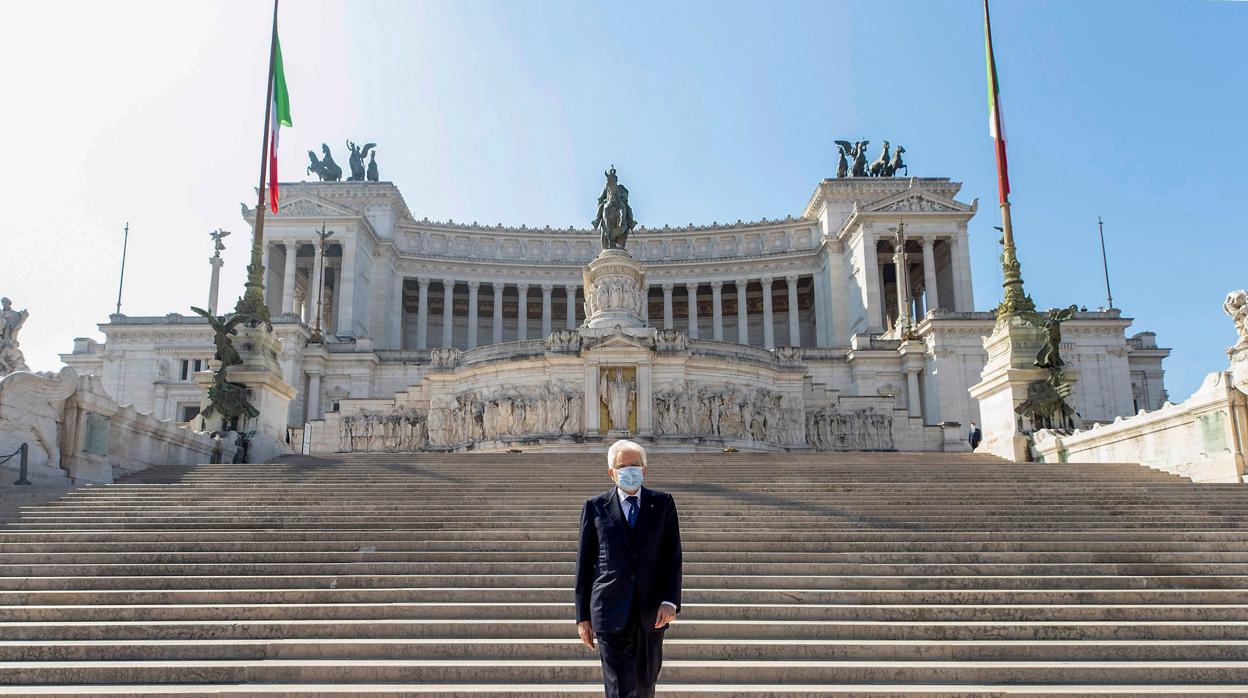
[[848, 574]]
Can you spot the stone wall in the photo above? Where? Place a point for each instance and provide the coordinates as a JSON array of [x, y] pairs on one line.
[[78, 434], [1202, 438]]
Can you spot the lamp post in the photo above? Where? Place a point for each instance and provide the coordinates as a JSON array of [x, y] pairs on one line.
[[320, 284]]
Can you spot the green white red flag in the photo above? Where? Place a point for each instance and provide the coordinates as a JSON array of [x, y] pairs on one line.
[[996, 126], [279, 112]]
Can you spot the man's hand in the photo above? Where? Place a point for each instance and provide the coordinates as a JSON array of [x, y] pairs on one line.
[[586, 630], [667, 613]]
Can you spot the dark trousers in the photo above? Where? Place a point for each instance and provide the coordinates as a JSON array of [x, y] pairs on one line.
[[631, 658]]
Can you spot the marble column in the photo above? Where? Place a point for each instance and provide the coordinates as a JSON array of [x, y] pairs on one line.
[[314, 396], [522, 312], [769, 331], [422, 318], [214, 284], [929, 275], [795, 333], [959, 262], [346, 293], [743, 317], [913, 404], [691, 290], [473, 289], [448, 312], [498, 311], [571, 293], [820, 279], [396, 312], [873, 294], [901, 269], [288, 278], [645, 305], [838, 304], [717, 311], [667, 306], [316, 290], [547, 290]]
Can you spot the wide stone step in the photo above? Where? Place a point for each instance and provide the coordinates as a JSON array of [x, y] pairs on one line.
[[587, 670], [673, 649], [694, 629]]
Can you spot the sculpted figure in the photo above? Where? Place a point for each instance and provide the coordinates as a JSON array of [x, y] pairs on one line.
[[896, 163], [615, 216], [859, 168], [372, 166], [843, 149], [1050, 354], [11, 321], [881, 163], [325, 168], [356, 161], [1236, 306], [618, 394]]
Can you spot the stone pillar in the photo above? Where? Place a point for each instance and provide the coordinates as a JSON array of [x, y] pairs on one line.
[[473, 288], [929, 275], [743, 310], [645, 402], [288, 278], [913, 361], [769, 332], [717, 311], [667, 306], [691, 290], [498, 311], [645, 305], [448, 312], [314, 396], [591, 399], [316, 290], [522, 312], [547, 290], [795, 332], [822, 335], [873, 297], [960, 264], [214, 284], [396, 313], [422, 321], [838, 311], [902, 272], [346, 293], [571, 291]]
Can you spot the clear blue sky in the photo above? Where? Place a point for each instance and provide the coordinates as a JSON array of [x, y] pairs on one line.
[[712, 111]]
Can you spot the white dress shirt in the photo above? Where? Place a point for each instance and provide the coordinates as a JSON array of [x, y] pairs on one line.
[[624, 508]]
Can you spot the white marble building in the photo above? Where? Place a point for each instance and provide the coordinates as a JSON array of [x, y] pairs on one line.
[[427, 323]]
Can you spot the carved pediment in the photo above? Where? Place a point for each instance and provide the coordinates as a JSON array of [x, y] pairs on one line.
[[310, 207], [618, 340], [916, 201]]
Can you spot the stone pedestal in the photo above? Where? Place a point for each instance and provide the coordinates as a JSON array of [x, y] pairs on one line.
[[267, 390], [1012, 349], [615, 290]]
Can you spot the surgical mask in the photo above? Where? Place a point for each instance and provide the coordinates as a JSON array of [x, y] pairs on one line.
[[629, 477]]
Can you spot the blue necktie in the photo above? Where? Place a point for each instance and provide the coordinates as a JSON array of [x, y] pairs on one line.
[[632, 510]]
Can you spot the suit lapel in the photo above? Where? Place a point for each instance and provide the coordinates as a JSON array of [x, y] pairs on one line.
[[616, 511]]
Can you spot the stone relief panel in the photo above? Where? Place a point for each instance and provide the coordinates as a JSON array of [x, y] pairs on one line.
[[828, 429], [398, 432], [689, 408]]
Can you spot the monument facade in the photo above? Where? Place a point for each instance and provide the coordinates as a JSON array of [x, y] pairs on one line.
[[849, 326]]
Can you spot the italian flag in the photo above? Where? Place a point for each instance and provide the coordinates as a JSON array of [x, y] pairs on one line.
[[279, 115], [996, 126]]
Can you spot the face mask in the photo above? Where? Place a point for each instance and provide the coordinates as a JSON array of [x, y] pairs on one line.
[[629, 477]]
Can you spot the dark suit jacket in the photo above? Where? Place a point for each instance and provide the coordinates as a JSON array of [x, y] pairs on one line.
[[613, 561]]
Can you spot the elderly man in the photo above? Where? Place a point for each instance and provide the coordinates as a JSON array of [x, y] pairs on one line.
[[628, 568]]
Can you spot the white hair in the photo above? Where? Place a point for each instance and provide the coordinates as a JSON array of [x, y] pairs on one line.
[[624, 445]]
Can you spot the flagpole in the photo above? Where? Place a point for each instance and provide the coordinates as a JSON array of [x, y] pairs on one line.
[[252, 303], [1109, 295], [125, 242], [1015, 301]]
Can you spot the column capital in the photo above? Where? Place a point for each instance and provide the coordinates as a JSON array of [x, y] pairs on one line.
[[474, 285], [668, 286], [571, 288], [766, 281], [522, 288], [717, 285], [692, 286], [928, 242], [547, 289], [424, 282], [448, 283], [791, 278], [498, 289], [741, 283]]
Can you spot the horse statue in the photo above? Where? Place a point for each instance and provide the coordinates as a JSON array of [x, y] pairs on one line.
[[843, 149], [372, 166], [357, 160], [881, 163], [859, 153], [326, 168], [896, 163], [615, 217]]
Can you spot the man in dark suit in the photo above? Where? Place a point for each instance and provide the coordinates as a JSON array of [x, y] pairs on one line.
[[628, 569], [974, 436]]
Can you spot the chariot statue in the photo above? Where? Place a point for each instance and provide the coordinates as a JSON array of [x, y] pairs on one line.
[[615, 217], [356, 160], [326, 169]]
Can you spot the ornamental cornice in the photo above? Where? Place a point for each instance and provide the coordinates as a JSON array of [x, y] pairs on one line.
[[450, 225]]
